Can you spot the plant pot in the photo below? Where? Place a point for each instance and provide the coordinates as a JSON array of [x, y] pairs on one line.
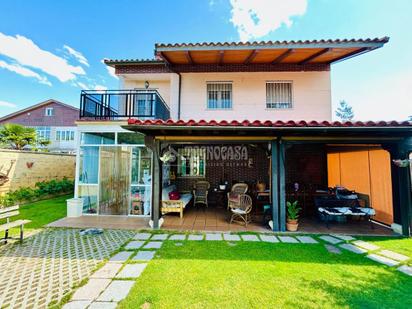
[[292, 225], [260, 186]]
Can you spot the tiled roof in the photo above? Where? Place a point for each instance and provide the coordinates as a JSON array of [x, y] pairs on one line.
[[267, 123], [142, 61], [264, 43]]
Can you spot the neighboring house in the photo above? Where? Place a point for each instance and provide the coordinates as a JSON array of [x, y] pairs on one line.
[[235, 112], [53, 120]]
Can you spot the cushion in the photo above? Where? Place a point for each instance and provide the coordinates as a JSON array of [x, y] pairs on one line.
[[174, 195], [185, 198], [238, 211]]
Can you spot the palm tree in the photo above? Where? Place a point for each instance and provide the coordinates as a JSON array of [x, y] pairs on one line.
[[17, 136]]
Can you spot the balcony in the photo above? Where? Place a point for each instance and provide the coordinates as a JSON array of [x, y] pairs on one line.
[[123, 104]]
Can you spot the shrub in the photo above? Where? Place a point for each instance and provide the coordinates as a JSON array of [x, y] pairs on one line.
[[43, 189]]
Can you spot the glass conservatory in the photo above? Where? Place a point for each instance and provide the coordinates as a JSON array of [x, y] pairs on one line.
[[114, 174]]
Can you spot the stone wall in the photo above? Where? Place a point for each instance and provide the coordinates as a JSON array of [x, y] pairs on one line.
[[25, 168]]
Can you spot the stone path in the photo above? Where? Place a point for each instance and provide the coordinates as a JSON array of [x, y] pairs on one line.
[[113, 282], [45, 267]]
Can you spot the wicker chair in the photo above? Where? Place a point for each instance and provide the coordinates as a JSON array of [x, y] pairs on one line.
[[233, 197], [241, 213], [200, 192]]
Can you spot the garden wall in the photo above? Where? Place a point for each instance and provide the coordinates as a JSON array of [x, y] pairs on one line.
[[25, 168]]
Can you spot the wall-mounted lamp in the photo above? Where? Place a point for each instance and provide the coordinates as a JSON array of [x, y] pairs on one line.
[[146, 84]]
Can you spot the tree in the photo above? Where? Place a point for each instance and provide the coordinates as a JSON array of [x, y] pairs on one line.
[[344, 111], [17, 136]]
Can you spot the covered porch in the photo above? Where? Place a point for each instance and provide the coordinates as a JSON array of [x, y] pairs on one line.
[[279, 143]]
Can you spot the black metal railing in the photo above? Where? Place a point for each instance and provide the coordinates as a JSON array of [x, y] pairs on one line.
[[115, 104]]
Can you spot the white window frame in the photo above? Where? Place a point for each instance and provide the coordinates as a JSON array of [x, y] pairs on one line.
[[49, 111], [219, 105], [279, 105]]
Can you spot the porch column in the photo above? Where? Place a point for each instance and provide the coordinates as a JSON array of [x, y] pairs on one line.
[[275, 186], [282, 186]]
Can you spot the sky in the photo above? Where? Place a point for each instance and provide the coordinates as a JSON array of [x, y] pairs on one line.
[[54, 49]]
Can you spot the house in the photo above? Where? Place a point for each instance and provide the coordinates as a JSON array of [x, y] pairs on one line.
[[227, 113], [53, 121]]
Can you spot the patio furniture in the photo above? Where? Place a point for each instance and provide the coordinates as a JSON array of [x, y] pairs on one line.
[[169, 205], [241, 213], [200, 192], [233, 197], [7, 213]]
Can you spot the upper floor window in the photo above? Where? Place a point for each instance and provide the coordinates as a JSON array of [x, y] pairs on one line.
[[279, 94], [49, 111], [219, 95]]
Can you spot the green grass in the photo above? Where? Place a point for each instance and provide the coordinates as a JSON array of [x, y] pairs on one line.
[[40, 213], [399, 245], [263, 275]]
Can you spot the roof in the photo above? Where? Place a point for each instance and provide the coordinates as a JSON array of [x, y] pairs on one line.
[[268, 123], [32, 107], [263, 52]]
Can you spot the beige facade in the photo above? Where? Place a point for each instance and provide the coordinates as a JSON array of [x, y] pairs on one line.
[[25, 168], [311, 94]]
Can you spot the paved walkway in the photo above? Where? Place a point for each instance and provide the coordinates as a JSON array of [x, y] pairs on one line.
[[46, 266]]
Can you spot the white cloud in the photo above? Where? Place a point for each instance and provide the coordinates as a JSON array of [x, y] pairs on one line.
[[257, 18], [26, 53], [110, 70], [24, 72], [76, 54], [7, 104], [82, 85], [100, 87]]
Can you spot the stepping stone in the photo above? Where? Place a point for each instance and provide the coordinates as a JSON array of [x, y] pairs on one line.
[[108, 271], [195, 237], [382, 260], [153, 245], [77, 304], [159, 237], [353, 248], [333, 249], [343, 237], [231, 237], [120, 257], [269, 238], [91, 289], [133, 245], [250, 238], [407, 270], [131, 271], [103, 305], [330, 239], [178, 237], [306, 240], [365, 245], [144, 256], [142, 236], [393, 255], [116, 291], [288, 239], [213, 236]]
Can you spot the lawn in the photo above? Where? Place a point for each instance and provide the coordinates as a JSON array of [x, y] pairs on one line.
[[399, 245], [210, 274], [41, 213]]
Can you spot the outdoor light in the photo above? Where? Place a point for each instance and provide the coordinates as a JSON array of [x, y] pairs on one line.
[[146, 84]]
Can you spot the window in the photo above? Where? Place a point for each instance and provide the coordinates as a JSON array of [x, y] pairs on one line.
[[64, 135], [219, 95], [279, 94], [191, 162], [97, 138], [49, 111], [43, 133]]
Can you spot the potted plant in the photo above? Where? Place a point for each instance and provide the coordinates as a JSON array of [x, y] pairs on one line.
[[292, 217]]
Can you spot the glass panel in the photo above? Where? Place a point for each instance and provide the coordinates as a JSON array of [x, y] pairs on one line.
[[89, 164], [89, 195], [97, 138], [141, 165], [191, 162], [114, 180], [141, 197], [130, 138]]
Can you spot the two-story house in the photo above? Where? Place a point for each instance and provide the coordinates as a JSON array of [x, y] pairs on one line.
[[220, 114], [53, 120]]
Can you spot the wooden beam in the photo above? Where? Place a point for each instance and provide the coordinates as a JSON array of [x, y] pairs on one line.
[[251, 56], [315, 55], [274, 186], [220, 57], [189, 57], [165, 58], [213, 138], [282, 56]]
